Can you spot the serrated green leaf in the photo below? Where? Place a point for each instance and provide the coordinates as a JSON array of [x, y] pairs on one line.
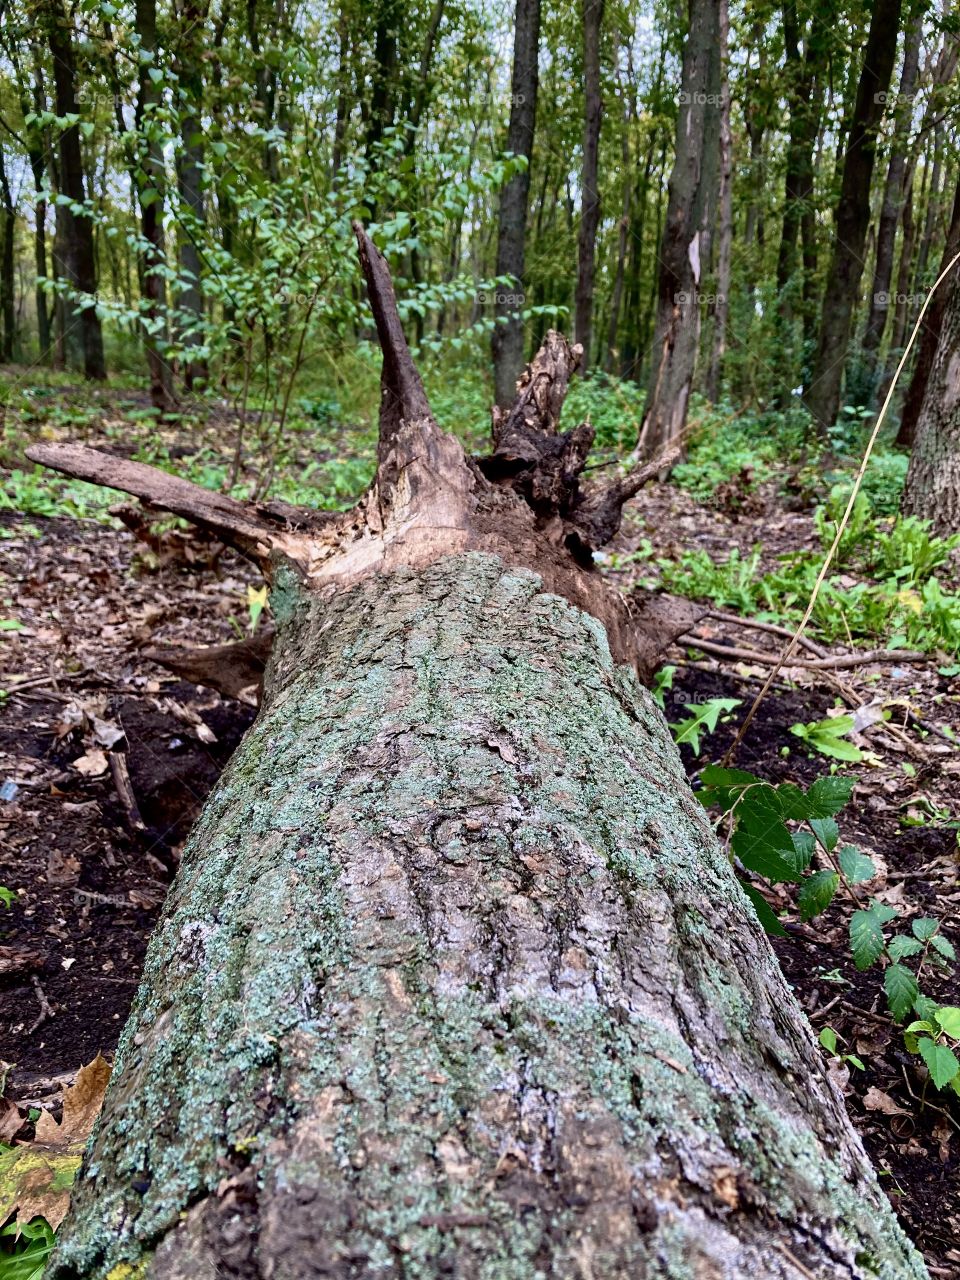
[[944, 946], [703, 719], [866, 938], [925, 929], [941, 1062], [903, 946], [723, 787], [948, 1020], [765, 913], [826, 831], [792, 802], [856, 866], [925, 1008], [817, 893], [901, 988], [804, 846], [827, 796], [883, 913], [921, 1025]]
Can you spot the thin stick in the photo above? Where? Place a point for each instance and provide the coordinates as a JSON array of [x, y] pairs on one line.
[[754, 624], [841, 527], [837, 662]]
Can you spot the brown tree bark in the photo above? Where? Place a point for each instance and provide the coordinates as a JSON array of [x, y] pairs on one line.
[[852, 216], [929, 335], [721, 303], [455, 978], [932, 489], [191, 15], [8, 313], [508, 342], [592, 15], [890, 211], [691, 202], [81, 336]]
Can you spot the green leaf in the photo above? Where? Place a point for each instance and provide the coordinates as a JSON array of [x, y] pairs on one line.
[[941, 1062], [856, 866], [765, 913], [817, 893], [866, 938], [792, 802], [854, 1061], [724, 787], [925, 1008], [704, 719], [883, 913], [829, 737], [901, 988], [805, 847], [7, 895], [903, 946], [828, 1039], [948, 1020], [761, 849], [826, 831], [925, 929], [827, 796], [944, 946]]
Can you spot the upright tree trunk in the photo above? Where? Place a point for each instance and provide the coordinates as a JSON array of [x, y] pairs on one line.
[[455, 978], [8, 313], [36, 156], [623, 232], [691, 201], [932, 490], [192, 15], [929, 337], [904, 277], [853, 215], [508, 344], [592, 11], [150, 183], [889, 220], [81, 336], [721, 303]]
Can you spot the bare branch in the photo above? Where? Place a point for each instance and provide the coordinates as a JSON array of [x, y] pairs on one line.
[[243, 527], [403, 396], [228, 668], [598, 513]]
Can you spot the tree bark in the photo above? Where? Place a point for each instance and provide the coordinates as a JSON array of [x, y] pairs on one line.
[[81, 336], [692, 199], [592, 12], [932, 489], [721, 303], [192, 18], [853, 215], [507, 342], [8, 312], [929, 335], [889, 220], [455, 978]]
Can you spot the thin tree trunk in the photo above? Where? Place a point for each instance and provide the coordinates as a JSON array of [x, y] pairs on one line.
[[932, 489], [81, 336], [508, 344], [692, 199], [721, 305], [455, 978], [150, 182], [853, 215], [592, 13], [904, 276], [929, 336], [623, 230], [8, 315], [890, 211], [192, 16]]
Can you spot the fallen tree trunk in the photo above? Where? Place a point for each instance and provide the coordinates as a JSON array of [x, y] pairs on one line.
[[455, 978]]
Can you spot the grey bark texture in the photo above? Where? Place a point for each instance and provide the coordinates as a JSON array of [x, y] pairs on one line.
[[455, 978], [932, 489]]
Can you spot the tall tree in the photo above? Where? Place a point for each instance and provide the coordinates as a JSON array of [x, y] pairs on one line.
[[691, 202], [80, 332], [932, 489], [852, 216], [8, 313], [592, 14], [191, 19], [455, 977], [929, 336], [891, 209], [721, 303], [508, 344], [150, 183]]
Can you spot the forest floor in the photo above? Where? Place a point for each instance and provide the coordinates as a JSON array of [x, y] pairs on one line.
[[105, 759]]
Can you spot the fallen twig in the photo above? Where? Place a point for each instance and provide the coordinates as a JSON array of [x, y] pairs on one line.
[[835, 663], [754, 624], [45, 1009]]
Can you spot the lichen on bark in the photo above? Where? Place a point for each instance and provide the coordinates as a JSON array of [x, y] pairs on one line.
[[455, 979]]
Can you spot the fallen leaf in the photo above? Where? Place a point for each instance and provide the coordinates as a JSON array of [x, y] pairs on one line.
[[11, 1121], [36, 1177], [92, 764], [876, 1100]]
